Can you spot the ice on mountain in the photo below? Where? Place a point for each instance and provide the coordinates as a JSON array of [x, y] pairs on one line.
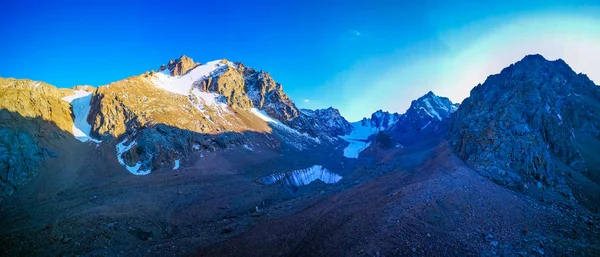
[[301, 177], [80, 103]]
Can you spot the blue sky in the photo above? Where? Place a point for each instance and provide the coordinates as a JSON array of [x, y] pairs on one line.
[[358, 57]]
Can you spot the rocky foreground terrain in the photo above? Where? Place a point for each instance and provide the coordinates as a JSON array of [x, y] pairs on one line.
[[214, 159]]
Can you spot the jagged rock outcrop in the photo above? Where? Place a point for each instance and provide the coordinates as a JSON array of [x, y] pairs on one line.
[[179, 66], [536, 122], [380, 119], [268, 95], [328, 121]]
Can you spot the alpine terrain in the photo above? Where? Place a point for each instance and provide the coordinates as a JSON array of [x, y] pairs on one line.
[[215, 159]]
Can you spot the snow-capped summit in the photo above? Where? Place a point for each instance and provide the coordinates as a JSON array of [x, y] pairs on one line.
[[433, 106], [175, 80]]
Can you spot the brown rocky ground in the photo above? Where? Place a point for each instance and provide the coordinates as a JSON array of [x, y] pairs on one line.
[[424, 201], [84, 202], [440, 207]]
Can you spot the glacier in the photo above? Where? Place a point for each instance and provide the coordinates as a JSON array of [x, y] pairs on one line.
[[80, 102], [357, 139], [301, 177]]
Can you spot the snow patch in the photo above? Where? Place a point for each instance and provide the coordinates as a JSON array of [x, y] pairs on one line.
[[426, 125], [431, 110], [355, 147], [358, 138], [183, 84], [135, 170], [201, 100], [80, 103], [248, 147], [301, 177], [437, 100], [176, 165], [262, 115]]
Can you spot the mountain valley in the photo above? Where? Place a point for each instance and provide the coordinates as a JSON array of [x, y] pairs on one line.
[[211, 159]]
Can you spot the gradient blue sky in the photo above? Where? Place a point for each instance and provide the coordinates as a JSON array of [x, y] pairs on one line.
[[358, 57]]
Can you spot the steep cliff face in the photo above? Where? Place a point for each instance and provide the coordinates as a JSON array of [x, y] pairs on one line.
[[268, 95], [535, 122]]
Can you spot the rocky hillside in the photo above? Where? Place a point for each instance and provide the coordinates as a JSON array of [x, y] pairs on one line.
[[32, 118], [161, 118], [535, 124]]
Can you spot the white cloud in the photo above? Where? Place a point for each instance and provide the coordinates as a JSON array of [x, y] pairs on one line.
[[355, 32], [306, 100]]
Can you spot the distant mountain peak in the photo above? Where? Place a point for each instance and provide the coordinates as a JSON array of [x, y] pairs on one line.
[[381, 119], [433, 106]]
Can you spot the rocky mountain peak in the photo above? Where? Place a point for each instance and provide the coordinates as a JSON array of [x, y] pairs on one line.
[[432, 106], [531, 123], [179, 66], [329, 120], [381, 119]]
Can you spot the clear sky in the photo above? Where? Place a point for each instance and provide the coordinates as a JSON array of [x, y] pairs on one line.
[[358, 57]]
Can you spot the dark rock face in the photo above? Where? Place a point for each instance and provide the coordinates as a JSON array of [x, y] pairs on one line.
[[20, 157], [329, 121], [159, 145], [384, 141], [24, 143], [536, 121]]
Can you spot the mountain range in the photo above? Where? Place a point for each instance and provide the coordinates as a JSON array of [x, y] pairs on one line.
[[195, 158]]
